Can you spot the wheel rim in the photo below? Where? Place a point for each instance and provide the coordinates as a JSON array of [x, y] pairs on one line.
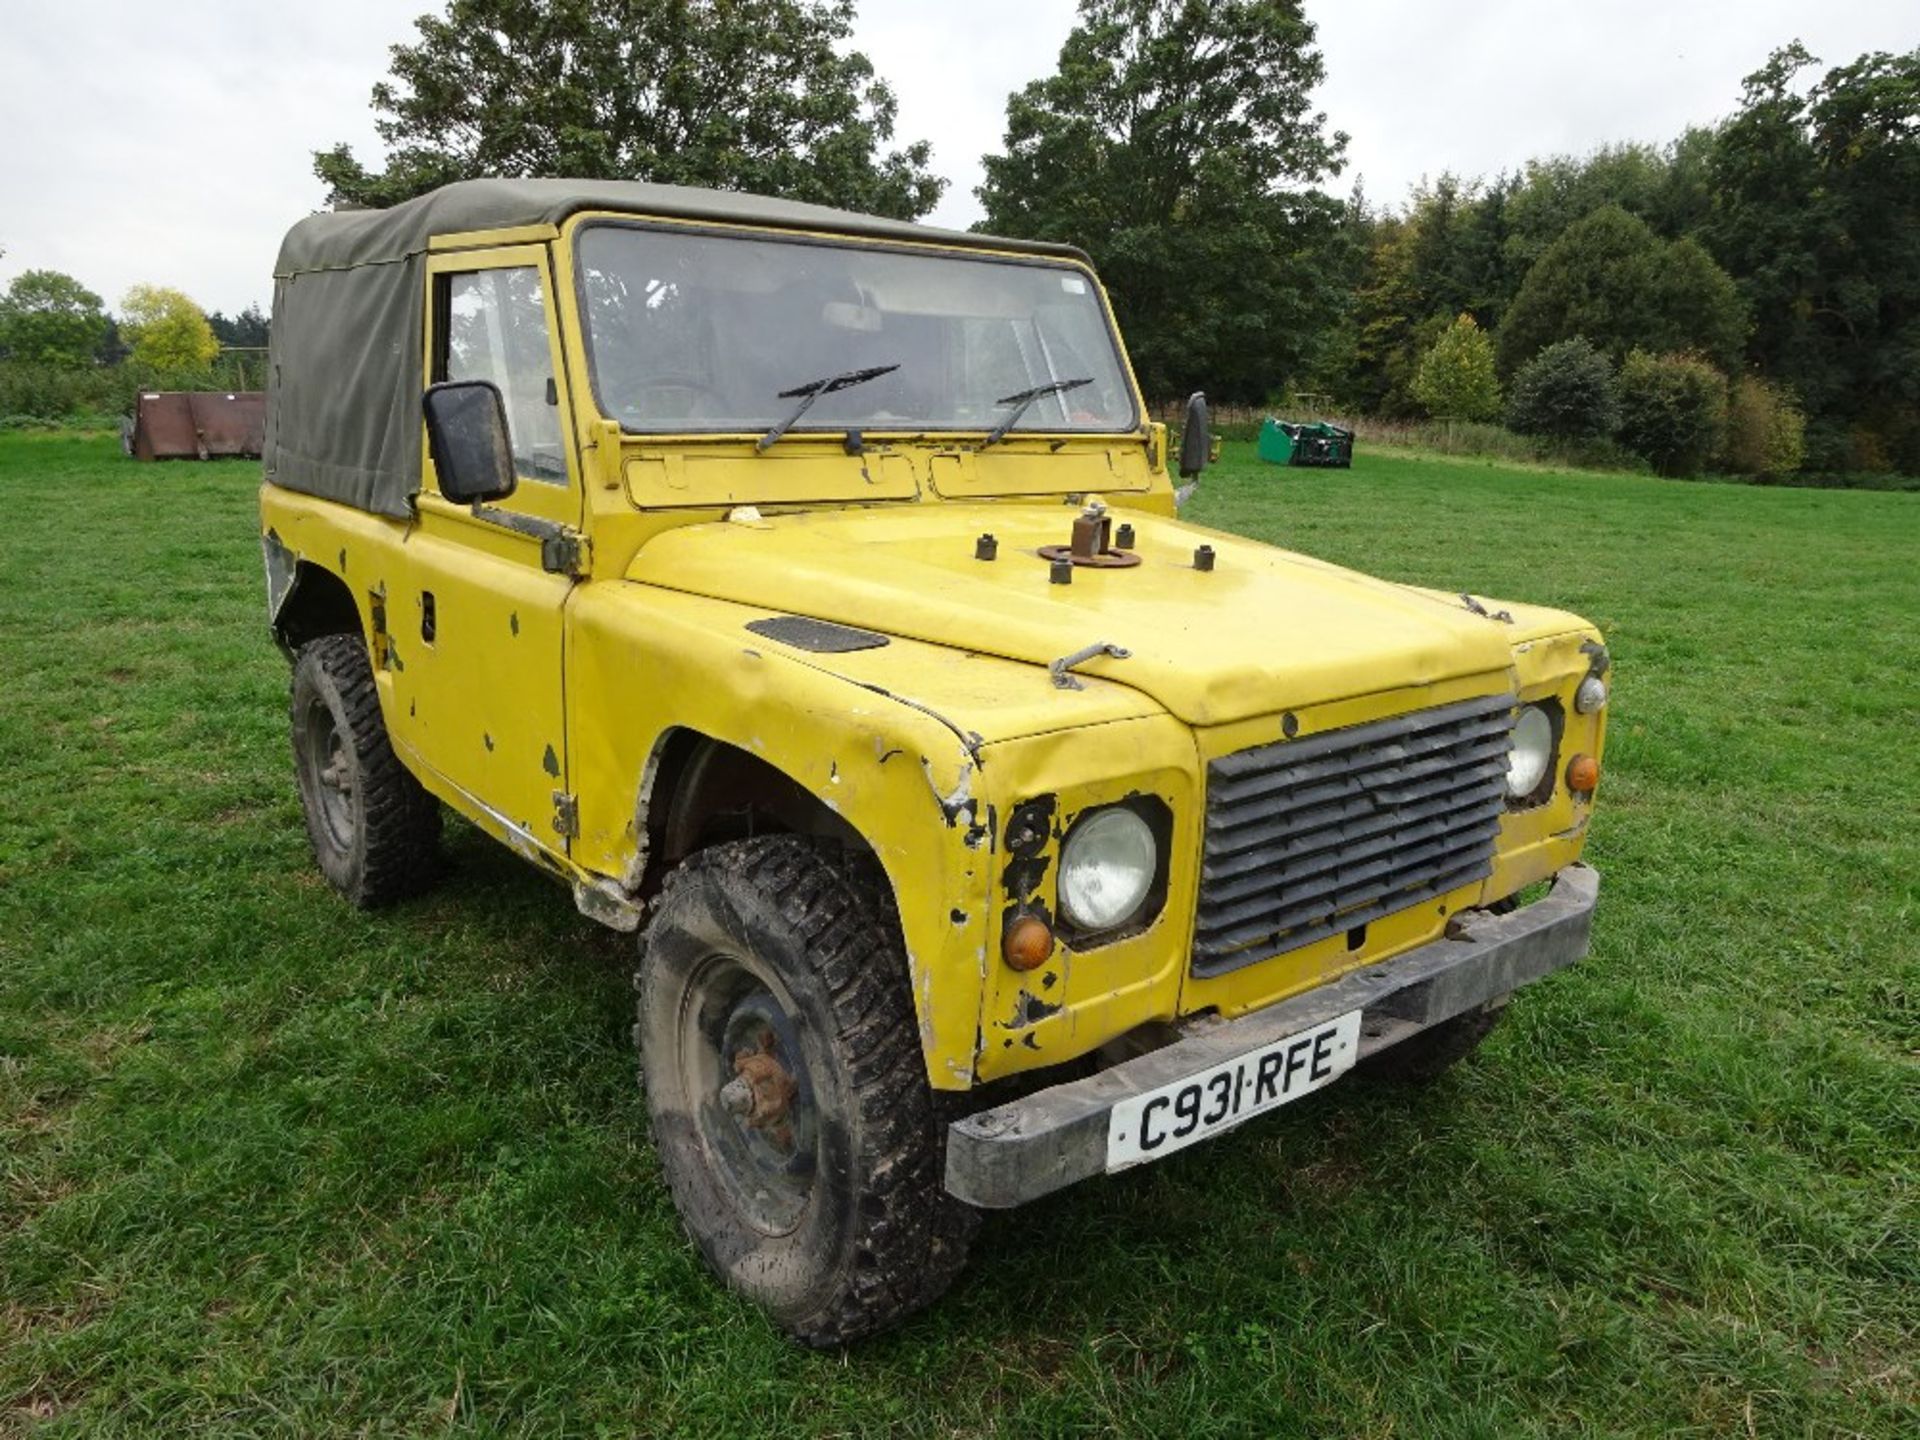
[[753, 1099], [327, 763]]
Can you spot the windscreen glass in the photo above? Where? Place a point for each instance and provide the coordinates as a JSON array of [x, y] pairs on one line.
[[696, 331]]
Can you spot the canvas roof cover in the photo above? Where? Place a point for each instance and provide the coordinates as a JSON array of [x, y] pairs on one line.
[[345, 366]]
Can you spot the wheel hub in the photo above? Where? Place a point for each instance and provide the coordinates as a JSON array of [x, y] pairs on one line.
[[762, 1091], [757, 1113], [329, 763]]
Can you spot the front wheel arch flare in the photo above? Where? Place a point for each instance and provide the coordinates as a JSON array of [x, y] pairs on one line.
[[698, 789]]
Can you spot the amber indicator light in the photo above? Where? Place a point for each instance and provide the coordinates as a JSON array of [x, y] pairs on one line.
[[1583, 774], [1027, 943]]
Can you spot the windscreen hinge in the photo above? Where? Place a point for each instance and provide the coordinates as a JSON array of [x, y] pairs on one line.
[[564, 552]]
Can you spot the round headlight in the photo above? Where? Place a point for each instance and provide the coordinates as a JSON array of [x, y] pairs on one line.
[[1106, 868], [1591, 695], [1532, 752]]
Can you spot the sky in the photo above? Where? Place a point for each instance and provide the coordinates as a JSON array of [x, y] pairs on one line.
[[172, 144]]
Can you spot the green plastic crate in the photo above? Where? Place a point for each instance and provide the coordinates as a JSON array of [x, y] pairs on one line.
[[1282, 442]]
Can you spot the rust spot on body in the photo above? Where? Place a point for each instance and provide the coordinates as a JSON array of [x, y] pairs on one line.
[[1029, 1009]]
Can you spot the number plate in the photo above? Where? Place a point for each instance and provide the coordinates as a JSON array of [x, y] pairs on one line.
[[1161, 1121]]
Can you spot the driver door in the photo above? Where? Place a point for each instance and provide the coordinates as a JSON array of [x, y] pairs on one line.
[[476, 637]]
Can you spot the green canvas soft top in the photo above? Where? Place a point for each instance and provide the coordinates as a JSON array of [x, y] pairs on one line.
[[344, 372]]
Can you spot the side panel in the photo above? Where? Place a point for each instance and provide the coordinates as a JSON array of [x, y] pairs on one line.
[[642, 663], [361, 549]]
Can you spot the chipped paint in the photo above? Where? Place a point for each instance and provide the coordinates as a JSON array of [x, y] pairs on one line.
[[955, 802], [636, 869], [550, 763], [924, 1002], [281, 564], [609, 904], [1029, 1008]]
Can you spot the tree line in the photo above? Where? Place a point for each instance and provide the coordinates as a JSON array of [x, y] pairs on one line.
[[1746, 296], [63, 355], [1778, 250], [49, 318]]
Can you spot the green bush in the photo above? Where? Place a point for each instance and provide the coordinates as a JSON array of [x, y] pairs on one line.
[[1610, 278], [1567, 392], [53, 392], [1766, 430], [1456, 379], [1673, 411], [48, 392]]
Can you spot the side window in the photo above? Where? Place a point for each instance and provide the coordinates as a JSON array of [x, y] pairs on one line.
[[496, 329]]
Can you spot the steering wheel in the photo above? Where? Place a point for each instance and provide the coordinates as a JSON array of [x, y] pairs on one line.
[[709, 401]]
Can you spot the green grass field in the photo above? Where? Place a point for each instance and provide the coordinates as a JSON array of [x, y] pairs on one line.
[[269, 1166]]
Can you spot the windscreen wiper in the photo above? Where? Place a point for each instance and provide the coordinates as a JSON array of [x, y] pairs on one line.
[[1021, 399], [811, 391]]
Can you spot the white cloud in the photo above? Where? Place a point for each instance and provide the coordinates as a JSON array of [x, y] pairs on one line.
[[174, 145]]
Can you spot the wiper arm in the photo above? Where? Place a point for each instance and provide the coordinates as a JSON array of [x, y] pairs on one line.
[[1021, 399], [811, 391]]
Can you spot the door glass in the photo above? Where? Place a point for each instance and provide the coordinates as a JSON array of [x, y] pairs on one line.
[[497, 330]]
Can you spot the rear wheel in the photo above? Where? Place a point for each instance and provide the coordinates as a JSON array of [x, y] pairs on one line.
[[788, 1091], [1424, 1058], [375, 831]]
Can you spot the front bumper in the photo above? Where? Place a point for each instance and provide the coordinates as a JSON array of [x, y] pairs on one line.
[[1027, 1148]]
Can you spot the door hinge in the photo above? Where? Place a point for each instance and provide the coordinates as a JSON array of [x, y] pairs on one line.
[[564, 552], [566, 815]]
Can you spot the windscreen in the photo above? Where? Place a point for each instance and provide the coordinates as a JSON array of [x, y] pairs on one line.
[[693, 331]]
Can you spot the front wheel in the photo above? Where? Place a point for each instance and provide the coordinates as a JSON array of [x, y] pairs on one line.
[[787, 1089], [1422, 1059]]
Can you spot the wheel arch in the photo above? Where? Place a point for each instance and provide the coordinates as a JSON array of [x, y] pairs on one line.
[[699, 790], [932, 864], [313, 602]]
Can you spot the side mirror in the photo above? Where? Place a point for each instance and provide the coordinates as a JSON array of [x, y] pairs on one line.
[[1196, 441], [467, 436]]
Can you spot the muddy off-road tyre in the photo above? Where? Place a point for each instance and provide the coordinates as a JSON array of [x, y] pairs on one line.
[[788, 1091], [375, 832], [1424, 1058]]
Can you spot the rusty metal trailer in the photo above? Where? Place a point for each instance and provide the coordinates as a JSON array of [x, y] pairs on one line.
[[195, 425]]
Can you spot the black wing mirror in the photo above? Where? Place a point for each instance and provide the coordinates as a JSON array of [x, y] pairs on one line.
[[1196, 441], [467, 435]]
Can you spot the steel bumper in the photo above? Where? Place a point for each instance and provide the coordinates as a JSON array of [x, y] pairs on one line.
[[1029, 1147]]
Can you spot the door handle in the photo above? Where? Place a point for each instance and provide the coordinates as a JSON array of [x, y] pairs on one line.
[[428, 622]]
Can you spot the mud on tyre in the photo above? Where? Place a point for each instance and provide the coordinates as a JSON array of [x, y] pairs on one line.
[[374, 830], [1422, 1059], [788, 1091]]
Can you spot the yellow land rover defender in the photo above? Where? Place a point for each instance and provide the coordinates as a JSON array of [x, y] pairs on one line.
[[807, 591]]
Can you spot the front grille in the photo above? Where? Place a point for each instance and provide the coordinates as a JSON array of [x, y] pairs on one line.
[[1310, 838]]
